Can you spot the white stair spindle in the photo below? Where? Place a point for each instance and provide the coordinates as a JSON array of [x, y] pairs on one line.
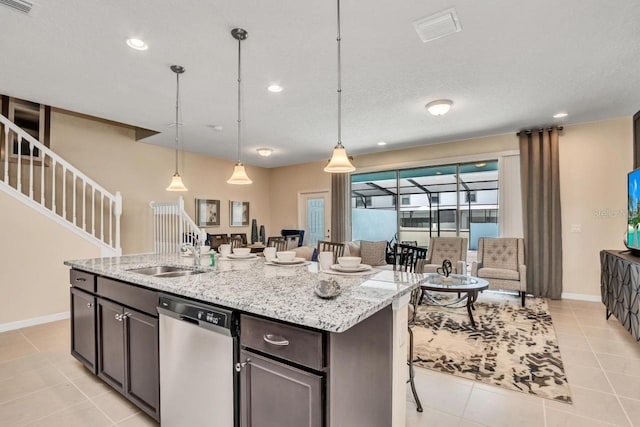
[[53, 186], [102, 216], [6, 154], [118, 212], [19, 184], [84, 205], [42, 168], [93, 210], [110, 222], [30, 170], [73, 181], [64, 192]]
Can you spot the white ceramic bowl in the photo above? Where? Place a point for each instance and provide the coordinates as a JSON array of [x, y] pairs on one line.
[[286, 255], [241, 251], [349, 261]]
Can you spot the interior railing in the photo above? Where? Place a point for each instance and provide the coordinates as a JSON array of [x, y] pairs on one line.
[[172, 227], [37, 176]]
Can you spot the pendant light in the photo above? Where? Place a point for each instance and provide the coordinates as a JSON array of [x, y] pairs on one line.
[[339, 162], [176, 180], [239, 175]]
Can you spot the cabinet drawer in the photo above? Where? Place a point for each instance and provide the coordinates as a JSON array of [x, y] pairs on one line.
[[132, 296], [287, 342], [82, 280]]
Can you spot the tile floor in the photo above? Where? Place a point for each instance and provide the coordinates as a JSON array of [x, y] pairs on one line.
[[42, 385]]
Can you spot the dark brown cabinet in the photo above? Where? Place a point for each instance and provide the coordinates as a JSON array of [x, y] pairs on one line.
[[274, 394], [83, 328], [128, 354]]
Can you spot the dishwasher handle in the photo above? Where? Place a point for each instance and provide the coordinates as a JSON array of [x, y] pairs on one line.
[[189, 320]]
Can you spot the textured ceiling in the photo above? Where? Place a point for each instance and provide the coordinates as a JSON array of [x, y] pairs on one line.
[[514, 65]]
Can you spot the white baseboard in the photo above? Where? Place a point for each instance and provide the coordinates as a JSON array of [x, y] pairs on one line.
[[4, 327], [581, 297]]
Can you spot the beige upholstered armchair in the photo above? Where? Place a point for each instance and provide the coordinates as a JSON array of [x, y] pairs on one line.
[[501, 262], [452, 248]]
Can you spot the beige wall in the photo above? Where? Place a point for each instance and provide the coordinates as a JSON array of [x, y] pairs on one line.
[[32, 249], [33, 280], [594, 161], [141, 172]]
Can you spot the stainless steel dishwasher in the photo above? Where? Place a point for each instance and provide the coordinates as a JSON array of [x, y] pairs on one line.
[[198, 352]]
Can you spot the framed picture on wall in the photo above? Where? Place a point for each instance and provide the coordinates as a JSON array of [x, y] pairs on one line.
[[238, 214], [207, 213]]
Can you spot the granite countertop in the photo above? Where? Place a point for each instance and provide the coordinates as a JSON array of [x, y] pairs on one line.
[[277, 292]]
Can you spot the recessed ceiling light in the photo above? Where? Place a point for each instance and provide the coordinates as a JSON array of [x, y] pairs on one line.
[[264, 152], [382, 143], [137, 44], [439, 107], [275, 88], [560, 115], [216, 128]]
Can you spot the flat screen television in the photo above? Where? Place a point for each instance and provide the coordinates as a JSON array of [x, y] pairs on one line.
[[633, 228]]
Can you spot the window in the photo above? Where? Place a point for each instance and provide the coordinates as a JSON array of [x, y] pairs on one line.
[[470, 196], [406, 200]]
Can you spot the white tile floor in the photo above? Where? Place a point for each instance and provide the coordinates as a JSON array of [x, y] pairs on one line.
[[42, 385]]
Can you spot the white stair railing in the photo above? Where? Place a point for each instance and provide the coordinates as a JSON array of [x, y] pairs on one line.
[[172, 227], [40, 178]]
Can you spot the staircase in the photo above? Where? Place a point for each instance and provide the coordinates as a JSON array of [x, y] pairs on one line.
[[33, 174], [172, 227]]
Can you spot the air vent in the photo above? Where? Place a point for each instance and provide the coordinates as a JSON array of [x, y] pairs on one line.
[[19, 5], [439, 25]]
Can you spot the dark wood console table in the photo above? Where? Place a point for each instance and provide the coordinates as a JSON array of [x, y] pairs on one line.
[[620, 288]]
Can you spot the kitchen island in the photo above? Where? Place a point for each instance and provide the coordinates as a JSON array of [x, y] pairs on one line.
[[361, 333]]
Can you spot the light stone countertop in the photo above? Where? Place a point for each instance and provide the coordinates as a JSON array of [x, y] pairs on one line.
[[277, 292]]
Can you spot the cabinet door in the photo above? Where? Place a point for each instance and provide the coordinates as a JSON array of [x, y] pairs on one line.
[[83, 328], [111, 343], [277, 395], [141, 349]]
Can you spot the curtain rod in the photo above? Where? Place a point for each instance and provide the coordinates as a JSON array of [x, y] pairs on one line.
[[530, 131]]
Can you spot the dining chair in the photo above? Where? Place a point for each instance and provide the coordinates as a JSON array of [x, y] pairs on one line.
[[293, 241], [406, 257], [410, 242], [242, 236], [236, 242], [215, 240], [411, 259], [336, 248], [278, 242]]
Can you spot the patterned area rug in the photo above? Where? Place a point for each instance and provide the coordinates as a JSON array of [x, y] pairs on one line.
[[511, 347]]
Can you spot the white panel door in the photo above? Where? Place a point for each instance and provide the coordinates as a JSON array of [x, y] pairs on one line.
[[314, 216]]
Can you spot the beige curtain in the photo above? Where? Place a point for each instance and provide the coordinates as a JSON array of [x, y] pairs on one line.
[[540, 173], [340, 207]]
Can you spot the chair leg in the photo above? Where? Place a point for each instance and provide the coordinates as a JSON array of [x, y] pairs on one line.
[[523, 293], [412, 373]]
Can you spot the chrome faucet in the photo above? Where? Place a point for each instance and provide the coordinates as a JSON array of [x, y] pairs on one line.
[[194, 249]]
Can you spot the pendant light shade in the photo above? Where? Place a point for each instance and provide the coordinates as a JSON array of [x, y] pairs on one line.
[[239, 176], [176, 180], [339, 162]]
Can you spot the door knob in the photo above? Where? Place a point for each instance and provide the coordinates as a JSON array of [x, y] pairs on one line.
[[89, 305], [239, 365]]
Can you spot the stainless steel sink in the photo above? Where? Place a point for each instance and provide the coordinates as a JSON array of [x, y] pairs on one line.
[[165, 271]]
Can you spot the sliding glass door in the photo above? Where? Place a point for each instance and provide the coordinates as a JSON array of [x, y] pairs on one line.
[[417, 204]]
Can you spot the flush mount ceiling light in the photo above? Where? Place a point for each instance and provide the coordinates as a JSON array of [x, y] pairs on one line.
[[339, 162], [137, 44], [239, 176], [481, 165], [264, 152], [275, 88], [560, 115], [439, 107], [176, 180], [381, 143]]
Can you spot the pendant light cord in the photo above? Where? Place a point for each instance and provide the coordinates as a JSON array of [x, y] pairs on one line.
[[177, 106], [239, 103], [339, 83]]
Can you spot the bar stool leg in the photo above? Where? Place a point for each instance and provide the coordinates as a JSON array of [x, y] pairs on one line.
[[412, 373]]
